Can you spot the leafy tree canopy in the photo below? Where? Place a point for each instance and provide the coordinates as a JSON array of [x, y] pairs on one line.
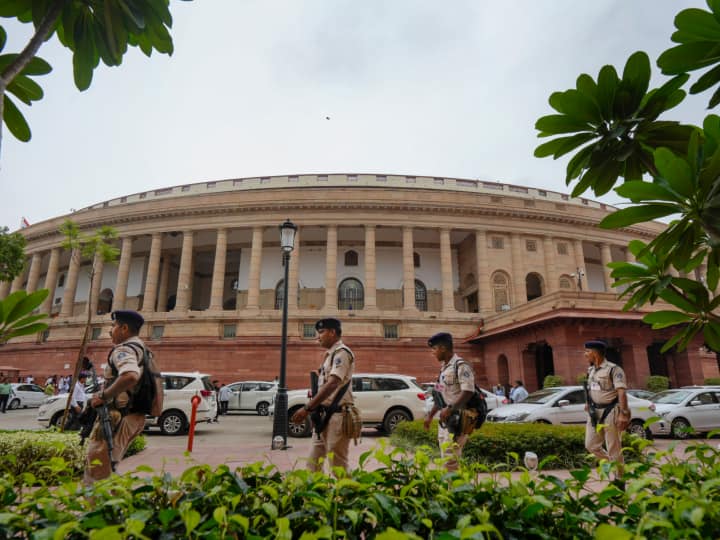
[[12, 254]]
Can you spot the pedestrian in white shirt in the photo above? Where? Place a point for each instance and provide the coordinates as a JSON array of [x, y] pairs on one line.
[[78, 396], [224, 398]]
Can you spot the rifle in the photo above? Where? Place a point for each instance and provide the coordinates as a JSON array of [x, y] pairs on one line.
[[104, 414], [315, 415], [592, 410], [453, 423]]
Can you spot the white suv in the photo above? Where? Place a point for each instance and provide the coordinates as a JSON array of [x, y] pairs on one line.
[[384, 400], [252, 396], [180, 387]]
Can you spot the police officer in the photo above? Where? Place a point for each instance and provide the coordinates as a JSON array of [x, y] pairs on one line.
[[606, 389], [456, 383], [335, 377], [126, 360]]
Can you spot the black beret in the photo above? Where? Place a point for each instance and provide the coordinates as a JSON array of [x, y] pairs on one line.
[[596, 345], [441, 338], [129, 317], [328, 324]]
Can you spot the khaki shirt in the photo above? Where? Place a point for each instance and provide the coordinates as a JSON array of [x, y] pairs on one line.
[[604, 381], [338, 361], [450, 387], [126, 360]]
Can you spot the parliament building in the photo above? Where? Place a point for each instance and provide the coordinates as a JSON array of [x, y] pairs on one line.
[[518, 275]]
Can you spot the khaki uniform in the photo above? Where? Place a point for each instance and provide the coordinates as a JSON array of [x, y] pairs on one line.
[[451, 388], [603, 383], [338, 361], [126, 360]]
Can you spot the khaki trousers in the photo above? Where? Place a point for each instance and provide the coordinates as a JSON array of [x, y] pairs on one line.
[[607, 433], [130, 426], [331, 440], [454, 450]]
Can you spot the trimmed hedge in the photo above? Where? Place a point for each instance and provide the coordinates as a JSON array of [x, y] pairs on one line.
[[502, 446], [37, 453], [713, 381], [551, 381], [657, 383]]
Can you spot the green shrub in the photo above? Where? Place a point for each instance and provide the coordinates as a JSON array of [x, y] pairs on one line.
[[657, 383], [714, 381], [552, 381], [581, 378], [410, 497]]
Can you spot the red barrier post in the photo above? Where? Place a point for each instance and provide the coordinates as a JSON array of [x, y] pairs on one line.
[[191, 431]]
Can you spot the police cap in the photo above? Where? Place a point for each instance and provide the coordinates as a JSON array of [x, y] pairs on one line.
[[127, 316], [441, 338], [596, 345], [328, 324]]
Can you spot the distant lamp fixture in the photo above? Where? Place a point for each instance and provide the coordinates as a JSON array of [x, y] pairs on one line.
[[579, 274], [287, 236]]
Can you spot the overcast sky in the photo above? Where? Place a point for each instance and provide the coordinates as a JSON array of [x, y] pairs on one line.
[[411, 87]]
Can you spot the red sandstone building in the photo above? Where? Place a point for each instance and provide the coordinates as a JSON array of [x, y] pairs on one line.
[[517, 274]]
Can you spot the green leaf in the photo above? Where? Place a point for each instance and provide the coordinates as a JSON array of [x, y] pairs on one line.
[[608, 82], [15, 121], [562, 145], [688, 57], [676, 171], [698, 25], [645, 191], [636, 214], [677, 300], [576, 105], [711, 333], [3, 38], [663, 319], [577, 163], [636, 77], [559, 123]]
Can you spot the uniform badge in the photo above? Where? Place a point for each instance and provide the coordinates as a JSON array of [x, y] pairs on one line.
[[338, 361], [120, 355]]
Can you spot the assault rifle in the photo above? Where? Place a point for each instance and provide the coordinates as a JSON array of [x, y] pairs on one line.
[[453, 423], [104, 414], [316, 415]]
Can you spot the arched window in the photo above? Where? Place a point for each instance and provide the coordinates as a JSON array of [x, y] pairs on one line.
[[416, 259], [279, 294], [566, 283], [351, 294], [501, 293], [351, 258], [420, 295], [533, 286]]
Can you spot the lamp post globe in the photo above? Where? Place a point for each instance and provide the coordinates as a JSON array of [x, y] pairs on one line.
[[280, 421]]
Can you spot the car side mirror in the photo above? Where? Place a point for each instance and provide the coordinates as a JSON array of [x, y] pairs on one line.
[[695, 402], [563, 403]]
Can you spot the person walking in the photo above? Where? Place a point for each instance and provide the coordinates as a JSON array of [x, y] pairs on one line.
[[224, 398], [5, 391], [122, 374], [518, 392], [334, 391], [607, 406], [456, 383]]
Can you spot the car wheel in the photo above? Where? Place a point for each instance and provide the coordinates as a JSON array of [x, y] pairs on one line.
[[263, 408], [636, 428], [56, 420], [542, 422], [681, 428], [393, 418], [298, 430], [14, 404], [172, 423]]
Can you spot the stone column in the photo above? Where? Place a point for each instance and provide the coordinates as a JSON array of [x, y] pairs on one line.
[[123, 273], [182, 302], [580, 263], [605, 259], [370, 269], [293, 272], [94, 294], [68, 302], [153, 271], [218, 278], [552, 281], [4, 289], [448, 296], [519, 289], [408, 270], [17, 283], [51, 280], [483, 273], [164, 280], [253, 295], [331, 269], [34, 274]]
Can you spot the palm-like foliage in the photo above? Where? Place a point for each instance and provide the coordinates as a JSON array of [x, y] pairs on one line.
[[16, 318]]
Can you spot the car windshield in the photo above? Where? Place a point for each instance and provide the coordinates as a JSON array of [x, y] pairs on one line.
[[542, 396], [672, 397]]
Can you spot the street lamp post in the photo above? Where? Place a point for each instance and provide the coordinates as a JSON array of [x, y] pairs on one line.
[[579, 274], [280, 422]]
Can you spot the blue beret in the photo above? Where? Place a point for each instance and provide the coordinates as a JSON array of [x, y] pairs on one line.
[[441, 338], [328, 324], [129, 317], [596, 345]]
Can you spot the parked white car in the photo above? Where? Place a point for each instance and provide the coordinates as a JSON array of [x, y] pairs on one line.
[[180, 387], [25, 395], [384, 400], [566, 405], [687, 410], [252, 396]]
